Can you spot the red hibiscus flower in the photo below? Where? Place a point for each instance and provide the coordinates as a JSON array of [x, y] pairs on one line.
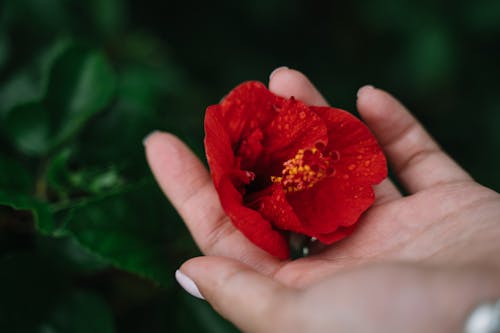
[[280, 165]]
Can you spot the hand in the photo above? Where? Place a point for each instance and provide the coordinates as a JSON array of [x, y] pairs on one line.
[[447, 227]]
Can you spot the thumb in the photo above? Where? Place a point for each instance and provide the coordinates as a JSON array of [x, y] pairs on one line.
[[252, 301]]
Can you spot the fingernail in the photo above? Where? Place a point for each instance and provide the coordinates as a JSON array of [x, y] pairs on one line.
[[364, 88], [188, 284], [148, 136], [276, 71]]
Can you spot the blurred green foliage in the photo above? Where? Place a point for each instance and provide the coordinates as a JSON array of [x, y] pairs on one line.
[[87, 241]]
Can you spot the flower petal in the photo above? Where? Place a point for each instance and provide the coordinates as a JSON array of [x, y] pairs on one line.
[[295, 127], [331, 203], [337, 235], [360, 156], [247, 107], [250, 148], [275, 208], [220, 155], [257, 229]]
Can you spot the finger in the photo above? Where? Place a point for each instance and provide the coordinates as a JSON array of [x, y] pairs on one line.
[[287, 82], [252, 301], [385, 192], [416, 158], [188, 185]]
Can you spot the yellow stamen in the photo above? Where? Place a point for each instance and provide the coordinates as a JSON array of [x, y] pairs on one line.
[[304, 170]]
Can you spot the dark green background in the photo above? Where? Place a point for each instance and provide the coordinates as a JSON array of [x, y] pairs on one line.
[[87, 241]]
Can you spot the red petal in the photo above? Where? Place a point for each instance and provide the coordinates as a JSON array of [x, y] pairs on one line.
[[275, 208], [220, 155], [257, 229], [250, 148], [248, 106], [361, 157], [294, 128], [337, 235], [331, 203]]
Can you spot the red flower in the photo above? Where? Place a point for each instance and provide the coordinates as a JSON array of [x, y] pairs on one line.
[[280, 165]]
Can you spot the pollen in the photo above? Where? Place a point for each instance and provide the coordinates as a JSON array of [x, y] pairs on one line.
[[304, 170]]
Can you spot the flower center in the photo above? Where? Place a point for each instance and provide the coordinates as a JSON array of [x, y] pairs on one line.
[[304, 170]]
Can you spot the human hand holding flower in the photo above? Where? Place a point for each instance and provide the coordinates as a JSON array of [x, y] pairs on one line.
[[404, 250]]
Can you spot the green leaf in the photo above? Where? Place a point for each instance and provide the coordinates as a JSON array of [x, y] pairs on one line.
[[141, 93], [21, 89], [95, 180], [29, 84], [91, 180], [42, 215], [70, 254], [124, 230], [58, 174], [44, 107], [79, 312], [28, 128], [82, 84]]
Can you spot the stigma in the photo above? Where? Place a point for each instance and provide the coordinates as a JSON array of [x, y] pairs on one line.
[[304, 170]]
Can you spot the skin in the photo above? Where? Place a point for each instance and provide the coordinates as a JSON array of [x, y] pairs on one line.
[[417, 263]]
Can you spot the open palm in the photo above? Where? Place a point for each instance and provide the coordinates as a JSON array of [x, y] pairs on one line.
[[430, 224]]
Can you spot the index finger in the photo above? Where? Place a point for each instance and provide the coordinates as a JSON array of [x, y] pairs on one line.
[[188, 186]]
